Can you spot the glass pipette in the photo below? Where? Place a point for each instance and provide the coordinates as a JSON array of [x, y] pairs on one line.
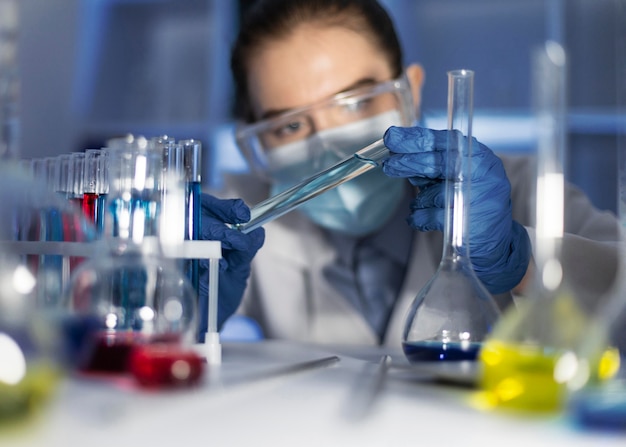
[[361, 162]]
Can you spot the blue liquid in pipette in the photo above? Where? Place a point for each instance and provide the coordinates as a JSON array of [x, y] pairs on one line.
[[429, 351], [284, 202]]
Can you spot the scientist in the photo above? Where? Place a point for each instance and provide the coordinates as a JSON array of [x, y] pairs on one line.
[[315, 81]]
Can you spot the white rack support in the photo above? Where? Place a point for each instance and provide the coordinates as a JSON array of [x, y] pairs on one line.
[[211, 250], [211, 349]]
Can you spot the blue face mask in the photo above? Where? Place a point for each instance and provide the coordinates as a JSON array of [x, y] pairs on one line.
[[359, 206]]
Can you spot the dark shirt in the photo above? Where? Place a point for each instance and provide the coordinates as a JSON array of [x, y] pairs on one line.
[[369, 271]]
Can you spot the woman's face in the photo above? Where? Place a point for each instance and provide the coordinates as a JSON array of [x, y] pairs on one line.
[[312, 64]]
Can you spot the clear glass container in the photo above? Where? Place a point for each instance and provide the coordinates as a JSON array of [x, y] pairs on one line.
[[129, 292], [453, 313], [531, 358], [598, 399], [39, 231], [132, 287]]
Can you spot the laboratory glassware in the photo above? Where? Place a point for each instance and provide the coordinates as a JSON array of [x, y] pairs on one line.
[[31, 342], [134, 197], [597, 392], [91, 186], [130, 289], [192, 163], [531, 355], [364, 160], [134, 295], [453, 313], [103, 188], [601, 404], [61, 175], [30, 371], [163, 365], [75, 180]]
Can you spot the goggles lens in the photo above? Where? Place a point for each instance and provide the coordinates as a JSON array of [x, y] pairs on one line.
[[259, 140]]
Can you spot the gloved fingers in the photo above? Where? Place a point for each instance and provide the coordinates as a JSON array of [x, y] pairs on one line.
[[421, 152], [227, 210], [427, 219], [425, 165], [416, 152], [239, 249], [432, 196], [427, 209], [411, 140], [230, 238], [505, 272], [421, 182], [241, 258]]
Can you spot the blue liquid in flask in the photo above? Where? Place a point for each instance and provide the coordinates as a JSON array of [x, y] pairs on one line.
[[429, 351]]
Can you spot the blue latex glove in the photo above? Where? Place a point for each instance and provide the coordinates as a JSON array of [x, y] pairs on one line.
[[238, 249], [499, 247]]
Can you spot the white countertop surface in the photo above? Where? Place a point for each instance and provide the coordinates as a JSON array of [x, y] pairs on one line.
[[259, 396]]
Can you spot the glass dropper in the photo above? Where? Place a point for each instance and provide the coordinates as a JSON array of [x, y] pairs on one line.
[[361, 162]]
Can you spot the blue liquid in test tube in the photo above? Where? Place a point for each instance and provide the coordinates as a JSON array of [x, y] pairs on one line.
[[192, 157]]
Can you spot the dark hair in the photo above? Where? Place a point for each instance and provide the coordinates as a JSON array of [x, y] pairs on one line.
[[267, 20]]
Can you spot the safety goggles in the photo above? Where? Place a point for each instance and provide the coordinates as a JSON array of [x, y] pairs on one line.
[[258, 140]]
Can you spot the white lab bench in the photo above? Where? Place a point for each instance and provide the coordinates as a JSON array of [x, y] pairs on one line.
[[260, 396]]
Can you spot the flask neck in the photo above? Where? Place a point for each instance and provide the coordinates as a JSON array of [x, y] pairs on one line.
[[455, 234]]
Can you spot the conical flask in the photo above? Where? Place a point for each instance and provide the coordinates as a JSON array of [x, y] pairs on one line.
[[529, 359], [597, 392], [451, 316]]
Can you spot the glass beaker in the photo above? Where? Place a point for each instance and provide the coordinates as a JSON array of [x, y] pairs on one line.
[[453, 313]]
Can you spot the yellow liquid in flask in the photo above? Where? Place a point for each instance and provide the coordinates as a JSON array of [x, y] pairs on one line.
[[521, 377], [21, 401]]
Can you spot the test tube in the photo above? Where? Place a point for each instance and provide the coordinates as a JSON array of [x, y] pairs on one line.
[[91, 176], [135, 199], [61, 175], [75, 180], [192, 156], [102, 188], [362, 161]]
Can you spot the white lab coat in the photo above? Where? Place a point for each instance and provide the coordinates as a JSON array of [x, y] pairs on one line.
[[289, 297]]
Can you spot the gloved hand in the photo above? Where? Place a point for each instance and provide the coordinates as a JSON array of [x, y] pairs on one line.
[[238, 249], [499, 247]]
